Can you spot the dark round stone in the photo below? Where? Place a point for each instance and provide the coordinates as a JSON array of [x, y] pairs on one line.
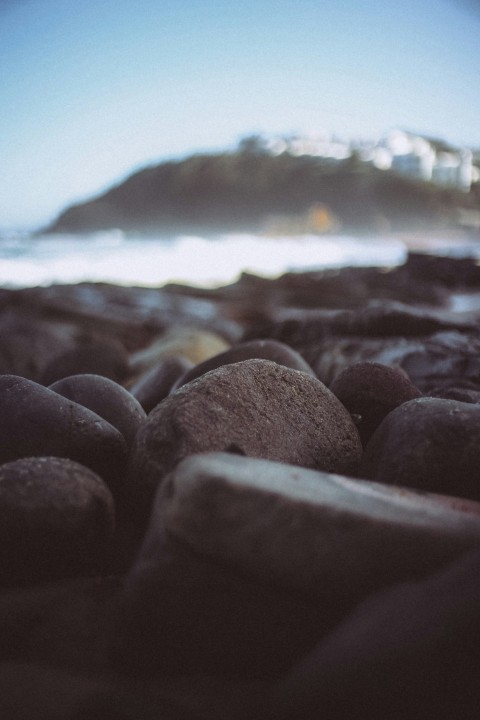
[[370, 391], [430, 444], [36, 421], [56, 519], [105, 398]]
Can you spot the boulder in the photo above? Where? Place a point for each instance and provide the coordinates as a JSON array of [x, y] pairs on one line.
[[370, 391], [247, 563], [429, 444], [255, 407], [36, 421], [56, 519], [107, 399]]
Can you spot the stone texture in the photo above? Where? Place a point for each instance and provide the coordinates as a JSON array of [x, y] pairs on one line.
[[261, 349], [370, 391], [35, 421], [257, 408], [56, 519], [107, 399], [153, 386], [430, 444], [410, 652], [247, 563]]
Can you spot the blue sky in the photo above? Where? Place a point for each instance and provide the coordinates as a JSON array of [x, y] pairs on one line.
[[94, 89]]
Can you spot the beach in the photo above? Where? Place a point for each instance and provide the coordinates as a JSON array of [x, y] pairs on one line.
[[255, 499]]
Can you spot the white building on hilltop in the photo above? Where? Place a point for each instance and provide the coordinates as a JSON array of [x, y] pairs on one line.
[[429, 159], [413, 155]]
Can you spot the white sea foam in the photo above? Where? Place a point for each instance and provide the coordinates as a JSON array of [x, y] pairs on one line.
[[111, 257]]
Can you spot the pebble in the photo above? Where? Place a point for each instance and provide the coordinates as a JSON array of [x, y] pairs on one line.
[[370, 391], [254, 407], [223, 524], [430, 444], [36, 421], [56, 519], [107, 399]]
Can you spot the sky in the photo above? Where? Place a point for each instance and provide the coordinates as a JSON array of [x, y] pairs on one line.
[[93, 90]]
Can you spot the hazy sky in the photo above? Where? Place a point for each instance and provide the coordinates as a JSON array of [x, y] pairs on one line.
[[93, 89]]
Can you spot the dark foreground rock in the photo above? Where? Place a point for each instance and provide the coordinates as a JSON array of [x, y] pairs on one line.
[[410, 652], [56, 518], [246, 562], [37, 421], [105, 398], [62, 624], [256, 408]]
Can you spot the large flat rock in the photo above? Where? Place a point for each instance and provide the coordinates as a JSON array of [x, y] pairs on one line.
[[247, 562]]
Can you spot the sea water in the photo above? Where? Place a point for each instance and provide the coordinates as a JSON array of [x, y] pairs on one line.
[[27, 261]]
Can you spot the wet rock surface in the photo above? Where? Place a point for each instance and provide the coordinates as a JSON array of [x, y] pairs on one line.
[[204, 562]]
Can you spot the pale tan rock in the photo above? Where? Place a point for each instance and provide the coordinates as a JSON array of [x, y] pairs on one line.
[[194, 344]]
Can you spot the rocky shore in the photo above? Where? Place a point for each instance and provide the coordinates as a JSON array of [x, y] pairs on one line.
[[257, 501]]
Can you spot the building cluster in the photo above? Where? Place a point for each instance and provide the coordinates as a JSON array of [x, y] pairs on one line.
[[404, 152]]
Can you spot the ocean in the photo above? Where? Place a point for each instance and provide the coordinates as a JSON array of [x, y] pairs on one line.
[[27, 261]]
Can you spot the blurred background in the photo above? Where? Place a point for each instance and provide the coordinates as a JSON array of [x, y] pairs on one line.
[[294, 134]]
